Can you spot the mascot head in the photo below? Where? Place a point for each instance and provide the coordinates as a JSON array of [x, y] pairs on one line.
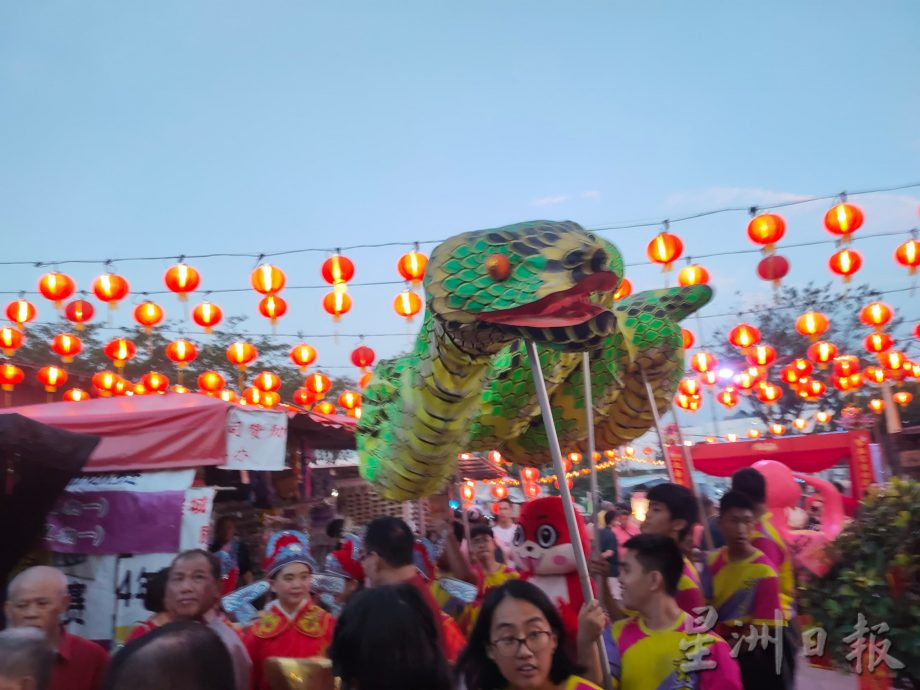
[[542, 544]]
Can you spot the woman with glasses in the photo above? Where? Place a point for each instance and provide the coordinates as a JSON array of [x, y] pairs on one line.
[[518, 642]]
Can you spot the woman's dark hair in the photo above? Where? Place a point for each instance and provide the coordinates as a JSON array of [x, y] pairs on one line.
[[185, 655], [220, 531], [387, 638], [474, 665], [156, 591]]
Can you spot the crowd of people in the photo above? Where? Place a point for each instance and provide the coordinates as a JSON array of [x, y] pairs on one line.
[[660, 620]]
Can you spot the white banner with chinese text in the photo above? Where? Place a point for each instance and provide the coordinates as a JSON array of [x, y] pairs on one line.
[[256, 439]]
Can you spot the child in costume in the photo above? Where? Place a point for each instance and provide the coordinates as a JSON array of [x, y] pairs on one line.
[[292, 625], [489, 572]]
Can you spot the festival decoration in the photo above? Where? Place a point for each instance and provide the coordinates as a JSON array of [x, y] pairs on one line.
[[811, 389], [689, 387], [812, 324], [337, 303], [66, 346], [21, 312], [903, 398], [624, 290], [769, 393], [766, 230], [182, 279], [303, 355], [846, 365], [363, 357], [875, 374], [241, 354], [319, 384], [728, 396], [228, 396], [407, 304], [744, 335], [892, 360], [79, 312], [845, 263], [324, 407], [687, 337], [51, 378], [182, 352], [703, 362], [411, 267], [762, 355], [75, 395], [691, 403], [777, 429], [10, 376], [11, 339], [365, 379], [877, 405], [110, 288], [267, 381], [180, 389], [823, 417], [337, 270], [709, 378], [148, 314], [908, 255], [821, 352], [207, 315], [304, 397], [693, 275], [773, 268], [349, 400], [876, 315], [120, 350], [155, 382], [665, 249], [499, 491], [105, 381], [843, 220], [267, 279], [878, 342], [56, 287], [272, 307]]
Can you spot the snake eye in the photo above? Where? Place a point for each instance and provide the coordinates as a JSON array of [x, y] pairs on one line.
[[498, 267]]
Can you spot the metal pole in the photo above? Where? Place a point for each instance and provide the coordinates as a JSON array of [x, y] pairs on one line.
[[589, 420], [688, 459], [552, 438]]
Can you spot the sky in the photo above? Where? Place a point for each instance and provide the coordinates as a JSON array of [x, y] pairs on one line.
[[182, 128]]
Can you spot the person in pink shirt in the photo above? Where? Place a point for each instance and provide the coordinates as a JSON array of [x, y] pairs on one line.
[[624, 527]]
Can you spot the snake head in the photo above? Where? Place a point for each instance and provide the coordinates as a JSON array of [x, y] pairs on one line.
[[550, 282]]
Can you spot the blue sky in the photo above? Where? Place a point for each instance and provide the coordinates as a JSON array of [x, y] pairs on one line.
[[168, 128]]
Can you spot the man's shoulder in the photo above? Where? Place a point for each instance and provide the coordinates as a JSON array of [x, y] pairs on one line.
[[81, 647]]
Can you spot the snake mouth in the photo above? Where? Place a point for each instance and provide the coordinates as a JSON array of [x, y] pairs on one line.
[[566, 308]]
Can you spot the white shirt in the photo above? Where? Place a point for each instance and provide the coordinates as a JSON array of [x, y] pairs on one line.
[[504, 535]]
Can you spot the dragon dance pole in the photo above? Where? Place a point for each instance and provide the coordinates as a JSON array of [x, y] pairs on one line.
[[581, 561], [589, 422]]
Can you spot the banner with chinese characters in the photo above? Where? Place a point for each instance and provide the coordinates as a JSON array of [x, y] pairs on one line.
[[169, 480], [677, 467], [91, 586], [862, 471], [196, 519], [256, 439]]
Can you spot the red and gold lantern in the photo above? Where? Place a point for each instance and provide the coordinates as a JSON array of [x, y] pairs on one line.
[[267, 381], [843, 220], [728, 396], [242, 354], [766, 230], [324, 407], [701, 362], [182, 279], [56, 287], [272, 307], [846, 365], [744, 335], [148, 314], [105, 381], [762, 355], [845, 263], [687, 336], [228, 396], [155, 382], [624, 289], [407, 304], [11, 339], [211, 382], [908, 255], [876, 315], [79, 311], [823, 417], [811, 389], [337, 303], [10, 376], [665, 249], [75, 395], [350, 400], [319, 384], [304, 397], [892, 360], [903, 398], [182, 352], [530, 474], [693, 275], [267, 279], [878, 342], [110, 288], [822, 352], [773, 268], [52, 378], [875, 374], [363, 357], [769, 393], [338, 269], [303, 355], [689, 387], [21, 311], [877, 405], [412, 266], [777, 429], [365, 379], [120, 350], [812, 324], [66, 346]]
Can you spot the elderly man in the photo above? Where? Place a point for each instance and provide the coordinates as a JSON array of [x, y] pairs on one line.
[[26, 659], [37, 598]]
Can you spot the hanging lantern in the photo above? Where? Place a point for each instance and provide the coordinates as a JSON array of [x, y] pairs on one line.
[[892, 360], [20, 311], [252, 396], [180, 389], [468, 491], [148, 314], [728, 396], [365, 379], [56, 287], [689, 387], [211, 382], [407, 304], [110, 288], [902, 398], [227, 395], [207, 315], [744, 336], [665, 249], [777, 429], [811, 389], [267, 279], [687, 336], [51, 378], [338, 269], [10, 376], [731, 438], [789, 375], [79, 311], [10, 340], [139, 389], [693, 275], [318, 383], [530, 474], [842, 384], [241, 354], [845, 263], [75, 395], [875, 374], [531, 490], [687, 402], [745, 381], [701, 362], [324, 407], [769, 393], [267, 381], [877, 405], [272, 307], [66, 346], [363, 356], [843, 220], [350, 400], [624, 289], [411, 267], [155, 382], [499, 491], [337, 303], [878, 342], [304, 397], [754, 434], [908, 255], [846, 365], [876, 314], [182, 279], [773, 268], [812, 324], [823, 417], [762, 355], [709, 378], [766, 230], [105, 381], [803, 367], [303, 356], [182, 352], [822, 352], [120, 350]]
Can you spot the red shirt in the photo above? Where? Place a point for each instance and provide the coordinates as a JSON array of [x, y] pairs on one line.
[[80, 664], [141, 629], [449, 635]]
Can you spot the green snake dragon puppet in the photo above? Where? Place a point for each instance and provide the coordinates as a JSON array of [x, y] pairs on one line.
[[466, 385]]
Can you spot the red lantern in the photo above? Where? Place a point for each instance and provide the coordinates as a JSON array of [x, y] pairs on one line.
[[468, 491], [876, 314], [155, 382], [79, 311], [665, 249], [207, 316], [148, 315], [10, 376], [843, 220], [823, 417], [877, 405], [350, 400], [66, 346], [845, 263], [273, 308], [10, 340], [691, 403], [531, 490], [227, 395], [303, 356], [179, 388], [803, 367], [773, 268], [75, 395], [822, 352], [499, 491], [892, 360], [120, 350], [878, 342], [182, 279], [324, 407], [304, 397], [51, 378], [407, 304], [846, 365], [812, 389], [338, 269], [908, 255], [702, 362], [182, 352], [754, 434], [20, 311], [337, 303], [241, 354], [745, 380], [56, 287], [363, 356], [105, 381], [252, 396], [267, 381], [211, 382], [812, 324], [766, 229], [762, 355], [693, 275], [777, 429], [728, 396], [769, 393], [624, 289], [688, 338], [530, 474], [318, 383], [903, 398], [875, 374], [744, 335], [267, 279], [412, 266], [689, 387], [111, 288], [789, 375]]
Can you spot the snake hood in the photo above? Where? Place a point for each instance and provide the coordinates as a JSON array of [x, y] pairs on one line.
[[544, 281]]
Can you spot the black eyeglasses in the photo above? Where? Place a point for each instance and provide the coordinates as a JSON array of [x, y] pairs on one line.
[[536, 641]]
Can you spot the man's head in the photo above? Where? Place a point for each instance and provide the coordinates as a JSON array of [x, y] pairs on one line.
[[672, 511], [388, 545], [505, 510], [26, 659], [624, 515], [193, 588], [650, 569], [736, 519], [610, 518], [751, 483], [37, 598], [482, 544]]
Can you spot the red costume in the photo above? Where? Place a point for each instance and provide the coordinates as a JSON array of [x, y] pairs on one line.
[[306, 634]]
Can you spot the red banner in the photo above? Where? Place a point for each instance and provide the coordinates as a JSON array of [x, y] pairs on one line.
[[862, 473], [677, 467]]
